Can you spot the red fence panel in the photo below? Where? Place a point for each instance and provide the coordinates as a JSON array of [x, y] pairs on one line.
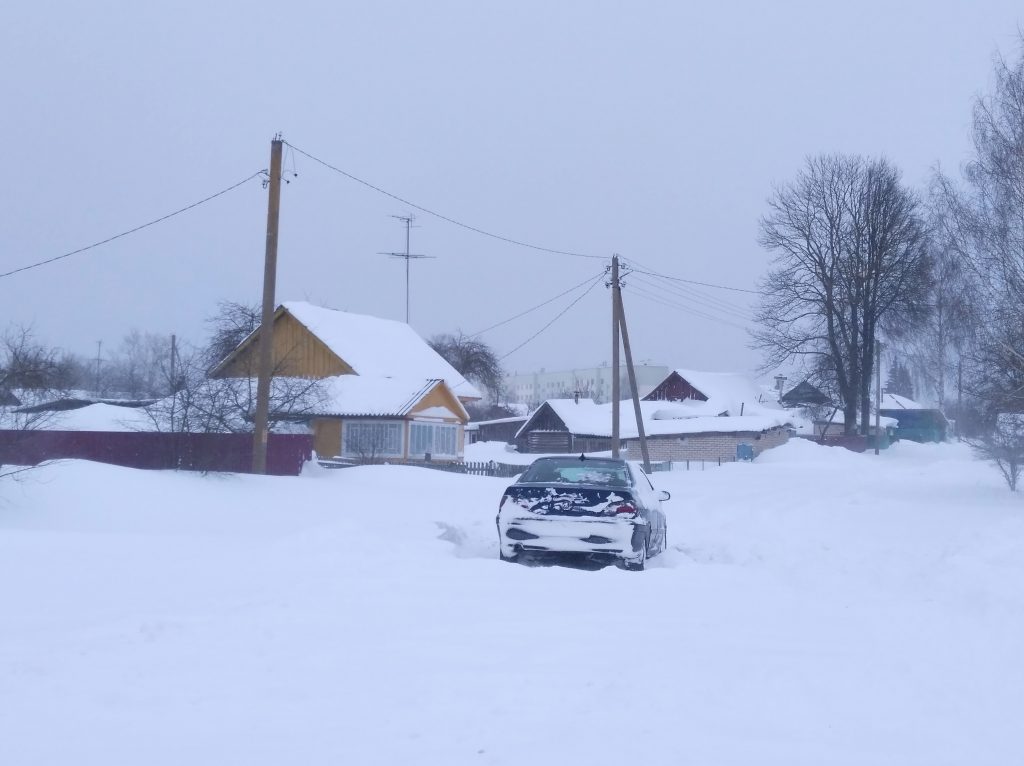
[[149, 449]]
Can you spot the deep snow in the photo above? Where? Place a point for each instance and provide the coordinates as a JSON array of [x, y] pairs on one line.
[[815, 607]]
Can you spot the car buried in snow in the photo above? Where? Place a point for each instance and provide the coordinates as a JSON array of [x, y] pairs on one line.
[[603, 509]]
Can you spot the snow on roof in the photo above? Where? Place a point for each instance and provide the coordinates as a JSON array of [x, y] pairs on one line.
[[496, 421], [378, 348], [729, 389], [589, 419], [99, 417], [356, 395], [897, 402]]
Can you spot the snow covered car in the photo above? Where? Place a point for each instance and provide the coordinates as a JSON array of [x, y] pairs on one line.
[[605, 509]]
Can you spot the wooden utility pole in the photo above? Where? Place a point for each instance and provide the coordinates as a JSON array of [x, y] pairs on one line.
[[632, 383], [615, 356], [878, 395], [265, 370]]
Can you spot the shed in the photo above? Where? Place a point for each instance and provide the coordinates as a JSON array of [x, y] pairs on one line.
[[916, 422]]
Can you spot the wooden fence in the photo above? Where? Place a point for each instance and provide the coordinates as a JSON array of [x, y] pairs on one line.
[[509, 470]]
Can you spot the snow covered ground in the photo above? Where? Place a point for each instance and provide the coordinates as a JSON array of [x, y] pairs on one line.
[[816, 607]]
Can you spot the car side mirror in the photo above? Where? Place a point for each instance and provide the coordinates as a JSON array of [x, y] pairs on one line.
[[663, 495]]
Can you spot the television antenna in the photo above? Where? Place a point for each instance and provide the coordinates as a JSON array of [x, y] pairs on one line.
[[407, 256]]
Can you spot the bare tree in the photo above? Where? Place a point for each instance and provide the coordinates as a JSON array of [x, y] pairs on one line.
[[993, 202], [936, 354], [1004, 446], [141, 367], [30, 374], [474, 360], [850, 264], [201, 404], [232, 324]]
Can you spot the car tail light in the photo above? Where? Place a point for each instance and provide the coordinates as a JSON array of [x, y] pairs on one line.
[[626, 509], [502, 504]]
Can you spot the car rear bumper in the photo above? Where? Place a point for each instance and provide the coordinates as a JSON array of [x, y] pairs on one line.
[[616, 538]]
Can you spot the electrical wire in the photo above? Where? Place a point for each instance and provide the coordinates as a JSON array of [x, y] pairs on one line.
[[137, 228], [539, 305], [676, 294], [646, 270], [680, 307], [556, 317], [428, 211]]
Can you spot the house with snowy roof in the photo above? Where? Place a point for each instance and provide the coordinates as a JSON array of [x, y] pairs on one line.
[[689, 416], [383, 392], [916, 422]]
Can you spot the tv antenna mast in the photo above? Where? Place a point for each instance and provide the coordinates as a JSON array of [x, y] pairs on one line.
[[407, 220]]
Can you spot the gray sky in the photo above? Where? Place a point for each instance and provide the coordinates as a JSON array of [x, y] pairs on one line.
[[651, 129]]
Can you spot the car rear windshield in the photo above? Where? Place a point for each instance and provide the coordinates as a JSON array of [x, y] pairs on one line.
[[576, 471]]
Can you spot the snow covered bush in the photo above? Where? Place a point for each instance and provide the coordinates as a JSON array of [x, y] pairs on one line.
[[1004, 446]]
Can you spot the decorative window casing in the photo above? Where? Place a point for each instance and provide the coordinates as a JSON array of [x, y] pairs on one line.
[[372, 438], [435, 439]]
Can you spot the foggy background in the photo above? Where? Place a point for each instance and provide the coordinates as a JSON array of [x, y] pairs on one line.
[[650, 129]]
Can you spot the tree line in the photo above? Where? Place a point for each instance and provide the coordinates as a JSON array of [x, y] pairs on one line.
[[935, 275]]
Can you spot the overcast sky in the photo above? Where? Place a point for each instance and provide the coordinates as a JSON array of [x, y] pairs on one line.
[[651, 129]]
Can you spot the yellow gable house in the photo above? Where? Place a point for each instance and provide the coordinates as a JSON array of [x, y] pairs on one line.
[[383, 392]]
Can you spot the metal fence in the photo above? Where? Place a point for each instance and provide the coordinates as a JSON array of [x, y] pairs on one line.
[[286, 453]]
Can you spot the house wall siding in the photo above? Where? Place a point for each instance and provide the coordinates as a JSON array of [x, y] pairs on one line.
[[707, 446], [327, 437], [674, 389], [439, 397], [296, 352]]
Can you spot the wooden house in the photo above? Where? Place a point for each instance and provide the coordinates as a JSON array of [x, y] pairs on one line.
[[804, 394], [384, 393], [916, 422]]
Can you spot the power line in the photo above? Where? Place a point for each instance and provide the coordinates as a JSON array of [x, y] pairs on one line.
[[681, 307], [645, 270], [137, 228], [539, 305], [557, 316], [676, 293], [428, 211]]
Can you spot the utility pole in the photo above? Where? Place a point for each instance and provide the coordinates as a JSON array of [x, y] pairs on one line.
[[407, 220], [632, 384], [173, 386], [878, 395], [959, 396], [99, 360], [265, 369], [615, 356]]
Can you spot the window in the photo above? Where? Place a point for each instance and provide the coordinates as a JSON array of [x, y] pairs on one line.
[[435, 439], [576, 471], [371, 438]]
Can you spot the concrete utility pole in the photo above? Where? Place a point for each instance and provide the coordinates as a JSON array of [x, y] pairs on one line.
[[407, 219], [266, 358], [632, 384], [878, 394], [615, 356]]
